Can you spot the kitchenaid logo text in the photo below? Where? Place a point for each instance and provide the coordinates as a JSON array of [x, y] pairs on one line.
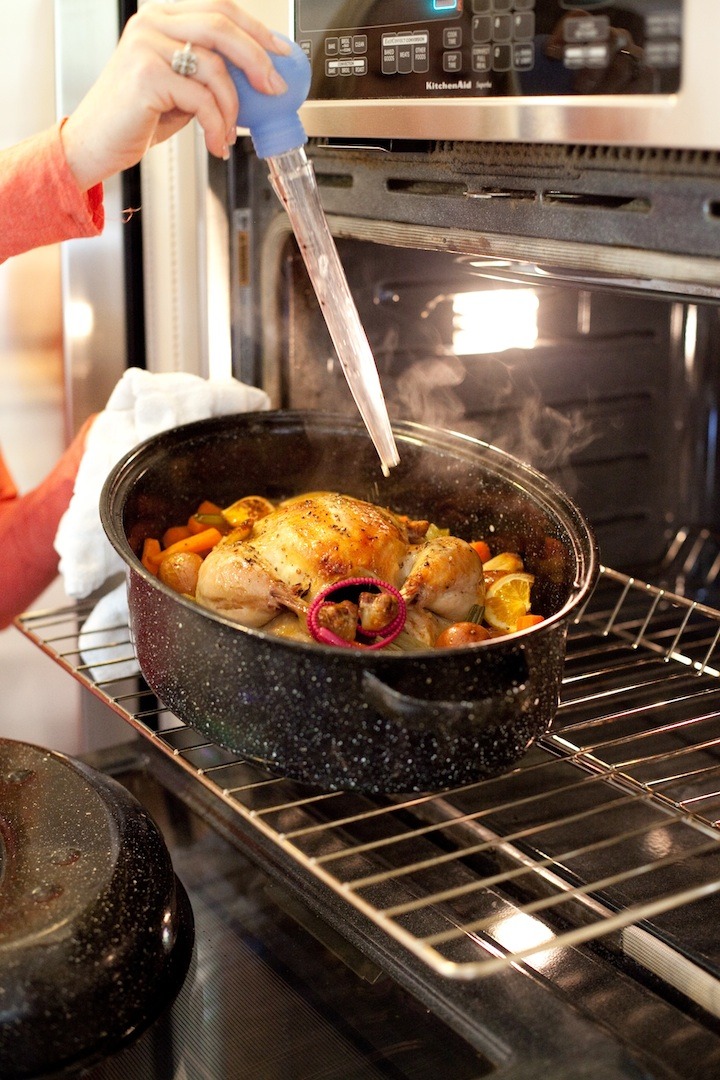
[[461, 84]]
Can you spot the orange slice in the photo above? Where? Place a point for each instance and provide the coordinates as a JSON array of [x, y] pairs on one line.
[[507, 561], [506, 599], [245, 512]]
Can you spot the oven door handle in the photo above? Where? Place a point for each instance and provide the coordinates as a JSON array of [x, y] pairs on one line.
[[505, 706]]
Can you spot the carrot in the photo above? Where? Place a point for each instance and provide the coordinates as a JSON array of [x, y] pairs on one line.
[[528, 620], [151, 552], [482, 549], [175, 533], [205, 507], [197, 542]]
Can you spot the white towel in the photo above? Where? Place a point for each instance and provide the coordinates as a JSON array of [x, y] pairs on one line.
[[142, 404], [103, 641]]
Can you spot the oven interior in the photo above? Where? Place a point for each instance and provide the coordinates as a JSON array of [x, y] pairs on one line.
[[565, 310], [562, 305]]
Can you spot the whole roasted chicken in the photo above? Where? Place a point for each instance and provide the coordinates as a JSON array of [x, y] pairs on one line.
[[314, 540]]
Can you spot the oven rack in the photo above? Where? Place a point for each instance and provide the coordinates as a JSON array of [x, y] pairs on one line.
[[608, 828]]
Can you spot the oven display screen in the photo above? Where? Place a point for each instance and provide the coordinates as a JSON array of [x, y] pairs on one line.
[[360, 15], [374, 49]]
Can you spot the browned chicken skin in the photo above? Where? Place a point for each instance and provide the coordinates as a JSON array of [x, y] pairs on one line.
[[446, 577]]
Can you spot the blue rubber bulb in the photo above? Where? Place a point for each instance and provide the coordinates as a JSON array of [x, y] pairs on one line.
[[272, 119]]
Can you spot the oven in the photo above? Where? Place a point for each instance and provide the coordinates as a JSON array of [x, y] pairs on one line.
[[525, 197]]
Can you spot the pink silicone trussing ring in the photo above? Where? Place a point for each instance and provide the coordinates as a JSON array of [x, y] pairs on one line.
[[384, 636]]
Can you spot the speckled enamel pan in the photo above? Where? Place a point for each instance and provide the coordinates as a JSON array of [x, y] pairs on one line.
[[345, 718]]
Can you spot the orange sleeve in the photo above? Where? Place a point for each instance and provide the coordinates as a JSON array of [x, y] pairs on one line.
[[8, 491], [40, 201], [28, 523]]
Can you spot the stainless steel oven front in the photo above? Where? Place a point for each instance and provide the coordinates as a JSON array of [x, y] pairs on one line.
[[632, 72]]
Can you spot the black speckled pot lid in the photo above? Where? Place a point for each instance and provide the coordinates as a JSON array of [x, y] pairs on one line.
[[96, 931]]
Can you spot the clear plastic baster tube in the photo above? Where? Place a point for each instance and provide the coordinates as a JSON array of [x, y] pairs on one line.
[[293, 179]]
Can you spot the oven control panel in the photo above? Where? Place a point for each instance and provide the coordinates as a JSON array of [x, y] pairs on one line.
[[382, 49]]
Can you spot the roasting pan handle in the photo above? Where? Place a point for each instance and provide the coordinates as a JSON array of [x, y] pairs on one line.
[[394, 705]]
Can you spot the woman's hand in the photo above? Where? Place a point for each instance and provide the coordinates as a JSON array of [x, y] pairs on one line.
[[138, 100]]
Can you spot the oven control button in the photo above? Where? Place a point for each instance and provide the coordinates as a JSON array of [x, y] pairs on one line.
[[524, 56], [352, 65], [663, 24], [482, 28], [332, 46], [482, 58], [405, 59], [452, 37], [586, 56], [452, 61], [502, 58], [360, 43], [502, 26], [523, 25], [403, 54], [389, 61], [662, 54], [421, 62], [586, 28]]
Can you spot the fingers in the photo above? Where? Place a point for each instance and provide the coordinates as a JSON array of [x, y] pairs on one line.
[[208, 94], [138, 100], [222, 26], [215, 29]]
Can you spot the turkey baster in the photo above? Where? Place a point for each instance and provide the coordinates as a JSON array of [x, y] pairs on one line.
[[279, 137]]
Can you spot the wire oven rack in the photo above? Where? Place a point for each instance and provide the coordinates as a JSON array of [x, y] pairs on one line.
[[608, 828]]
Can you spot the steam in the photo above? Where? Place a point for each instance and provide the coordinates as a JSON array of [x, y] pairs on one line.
[[497, 401], [426, 391]]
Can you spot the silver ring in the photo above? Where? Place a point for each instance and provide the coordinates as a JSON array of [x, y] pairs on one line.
[[184, 61]]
